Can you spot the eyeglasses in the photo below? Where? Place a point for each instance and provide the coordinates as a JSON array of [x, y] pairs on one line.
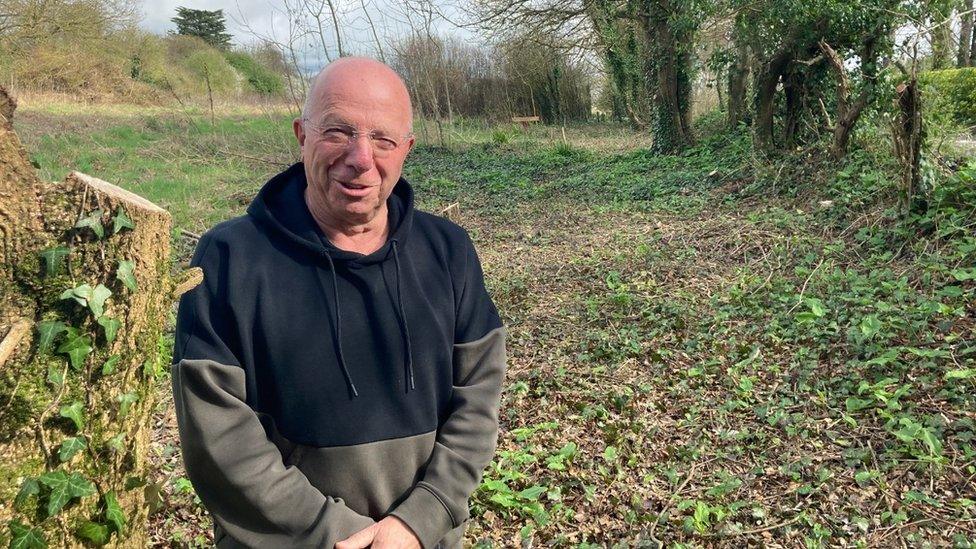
[[341, 135]]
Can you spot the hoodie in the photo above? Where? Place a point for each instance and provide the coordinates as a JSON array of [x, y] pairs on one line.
[[318, 390]]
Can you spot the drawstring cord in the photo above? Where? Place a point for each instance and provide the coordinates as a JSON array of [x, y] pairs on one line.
[[338, 325], [403, 317]]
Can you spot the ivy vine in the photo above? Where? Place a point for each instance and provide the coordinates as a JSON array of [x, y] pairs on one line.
[[58, 487]]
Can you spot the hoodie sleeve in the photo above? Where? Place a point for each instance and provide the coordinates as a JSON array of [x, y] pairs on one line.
[[466, 440], [237, 471]]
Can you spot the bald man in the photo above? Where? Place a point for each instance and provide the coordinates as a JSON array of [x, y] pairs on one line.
[[337, 374]]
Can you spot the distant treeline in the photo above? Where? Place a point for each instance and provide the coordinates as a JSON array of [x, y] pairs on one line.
[[449, 77], [94, 49]]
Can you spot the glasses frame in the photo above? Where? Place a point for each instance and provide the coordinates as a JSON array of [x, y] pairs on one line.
[[353, 134]]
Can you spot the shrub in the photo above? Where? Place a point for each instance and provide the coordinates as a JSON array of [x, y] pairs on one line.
[[259, 77], [952, 91]]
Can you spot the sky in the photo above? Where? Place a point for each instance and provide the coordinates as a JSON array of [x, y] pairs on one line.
[[247, 18]]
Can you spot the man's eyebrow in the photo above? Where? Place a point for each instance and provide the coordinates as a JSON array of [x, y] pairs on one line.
[[338, 120]]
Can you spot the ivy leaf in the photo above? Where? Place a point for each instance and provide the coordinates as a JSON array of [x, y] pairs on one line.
[[70, 447], [115, 442], [93, 222], [75, 412], [126, 273], [109, 366], [64, 489], [97, 301], [114, 512], [94, 532], [54, 259], [121, 221], [55, 376], [82, 294], [30, 487], [532, 493], [816, 306], [870, 325], [47, 333], [111, 327], [77, 348], [126, 400], [24, 537]]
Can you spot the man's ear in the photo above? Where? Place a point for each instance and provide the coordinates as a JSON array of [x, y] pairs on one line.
[[299, 131], [411, 143]]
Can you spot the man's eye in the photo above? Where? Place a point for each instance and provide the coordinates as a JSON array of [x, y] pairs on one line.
[[336, 134], [384, 143]]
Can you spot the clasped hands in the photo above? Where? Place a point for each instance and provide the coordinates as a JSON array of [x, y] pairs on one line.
[[388, 533]]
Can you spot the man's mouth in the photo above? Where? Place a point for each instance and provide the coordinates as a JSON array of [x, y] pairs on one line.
[[355, 189], [353, 185]]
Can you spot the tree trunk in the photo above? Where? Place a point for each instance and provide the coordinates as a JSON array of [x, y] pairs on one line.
[[848, 111], [964, 58], [908, 136], [738, 75], [792, 89], [972, 51], [766, 84], [940, 39], [77, 372], [672, 120]]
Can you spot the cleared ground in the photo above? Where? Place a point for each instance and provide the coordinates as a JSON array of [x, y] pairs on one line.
[[705, 350]]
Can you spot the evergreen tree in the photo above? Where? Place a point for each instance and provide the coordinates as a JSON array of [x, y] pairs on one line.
[[208, 25]]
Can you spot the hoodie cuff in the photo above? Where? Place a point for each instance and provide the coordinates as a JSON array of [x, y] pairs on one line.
[[426, 515]]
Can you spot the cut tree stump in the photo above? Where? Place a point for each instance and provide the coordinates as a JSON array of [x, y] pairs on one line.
[[85, 289]]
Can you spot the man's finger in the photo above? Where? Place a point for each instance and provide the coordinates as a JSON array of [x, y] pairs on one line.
[[359, 540]]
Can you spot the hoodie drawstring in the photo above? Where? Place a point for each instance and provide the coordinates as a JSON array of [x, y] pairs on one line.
[[403, 317], [338, 325], [337, 332]]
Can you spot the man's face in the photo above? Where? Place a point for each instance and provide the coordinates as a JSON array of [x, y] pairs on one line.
[[352, 180]]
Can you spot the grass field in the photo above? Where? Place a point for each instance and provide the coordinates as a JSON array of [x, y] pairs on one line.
[[705, 350]]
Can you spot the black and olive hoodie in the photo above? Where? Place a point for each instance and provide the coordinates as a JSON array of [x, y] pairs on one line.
[[319, 390]]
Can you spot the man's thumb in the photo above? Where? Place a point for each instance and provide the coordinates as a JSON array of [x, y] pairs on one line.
[[359, 540]]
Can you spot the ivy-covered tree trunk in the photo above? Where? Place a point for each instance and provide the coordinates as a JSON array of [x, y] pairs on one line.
[[670, 32], [85, 287]]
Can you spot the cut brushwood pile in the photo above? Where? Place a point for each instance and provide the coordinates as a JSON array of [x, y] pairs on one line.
[[85, 287]]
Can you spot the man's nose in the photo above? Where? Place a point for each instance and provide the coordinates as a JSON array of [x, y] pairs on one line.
[[359, 155]]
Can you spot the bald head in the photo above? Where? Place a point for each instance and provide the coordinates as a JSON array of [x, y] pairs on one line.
[[357, 77]]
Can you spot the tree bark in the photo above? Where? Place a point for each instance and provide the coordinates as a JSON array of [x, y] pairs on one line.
[[766, 84], [738, 76], [964, 58], [848, 110], [112, 404], [908, 135], [672, 120]]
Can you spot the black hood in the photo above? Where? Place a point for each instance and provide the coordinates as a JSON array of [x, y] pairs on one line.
[[280, 206]]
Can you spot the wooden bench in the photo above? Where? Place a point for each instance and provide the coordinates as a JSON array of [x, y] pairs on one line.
[[525, 121]]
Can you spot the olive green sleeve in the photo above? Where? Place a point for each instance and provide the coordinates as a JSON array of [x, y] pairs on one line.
[[239, 473], [465, 442]]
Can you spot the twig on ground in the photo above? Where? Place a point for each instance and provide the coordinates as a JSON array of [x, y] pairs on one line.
[[803, 289]]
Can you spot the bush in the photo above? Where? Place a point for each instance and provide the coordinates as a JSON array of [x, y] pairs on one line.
[[952, 91], [182, 64], [259, 77]]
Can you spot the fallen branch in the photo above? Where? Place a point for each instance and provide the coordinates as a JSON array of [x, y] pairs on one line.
[[13, 338]]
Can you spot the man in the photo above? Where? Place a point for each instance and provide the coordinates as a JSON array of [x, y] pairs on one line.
[[337, 373]]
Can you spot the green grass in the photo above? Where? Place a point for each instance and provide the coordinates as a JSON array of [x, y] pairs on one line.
[[704, 349]]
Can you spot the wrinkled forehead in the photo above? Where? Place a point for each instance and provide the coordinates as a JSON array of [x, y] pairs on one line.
[[361, 101]]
